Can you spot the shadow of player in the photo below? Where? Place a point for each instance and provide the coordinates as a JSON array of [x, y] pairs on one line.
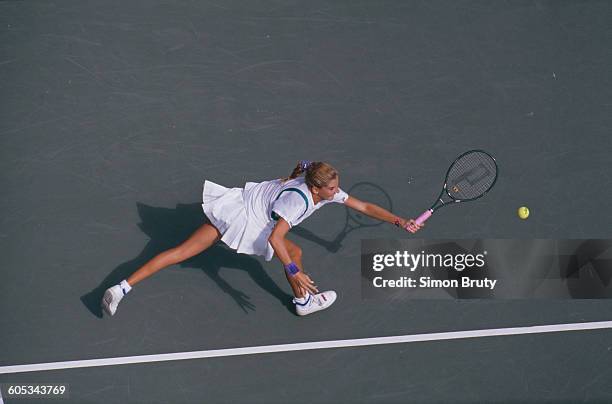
[[168, 228]]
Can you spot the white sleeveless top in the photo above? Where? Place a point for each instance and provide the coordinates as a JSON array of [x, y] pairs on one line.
[[246, 217]]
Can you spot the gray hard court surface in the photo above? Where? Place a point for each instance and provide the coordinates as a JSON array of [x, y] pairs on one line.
[[113, 113]]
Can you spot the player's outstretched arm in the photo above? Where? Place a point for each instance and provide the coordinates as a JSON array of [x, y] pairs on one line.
[[382, 214]]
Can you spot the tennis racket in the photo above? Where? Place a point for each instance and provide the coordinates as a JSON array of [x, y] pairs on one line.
[[469, 177], [365, 191]]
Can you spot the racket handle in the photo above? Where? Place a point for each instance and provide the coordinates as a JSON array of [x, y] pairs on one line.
[[424, 216]]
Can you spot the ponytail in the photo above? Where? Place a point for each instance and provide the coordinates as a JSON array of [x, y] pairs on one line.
[[301, 167]]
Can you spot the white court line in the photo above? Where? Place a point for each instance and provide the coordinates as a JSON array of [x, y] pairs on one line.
[[346, 343]]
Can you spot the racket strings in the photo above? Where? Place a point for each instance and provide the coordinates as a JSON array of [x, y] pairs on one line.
[[471, 176]]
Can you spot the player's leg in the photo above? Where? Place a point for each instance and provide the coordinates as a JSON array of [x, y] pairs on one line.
[[306, 303], [205, 236]]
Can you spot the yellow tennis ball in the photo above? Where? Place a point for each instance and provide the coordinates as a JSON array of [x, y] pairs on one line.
[[523, 212]]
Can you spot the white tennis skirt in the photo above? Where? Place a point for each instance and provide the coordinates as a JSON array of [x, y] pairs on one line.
[[226, 210]]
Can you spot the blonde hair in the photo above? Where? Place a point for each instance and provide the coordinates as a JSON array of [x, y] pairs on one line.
[[317, 173]]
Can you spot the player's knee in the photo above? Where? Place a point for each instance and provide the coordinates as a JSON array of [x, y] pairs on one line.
[[188, 249], [296, 253], [179, 254], [182, 253]]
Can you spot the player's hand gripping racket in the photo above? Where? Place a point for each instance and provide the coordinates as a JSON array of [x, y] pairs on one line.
[[470, 177]]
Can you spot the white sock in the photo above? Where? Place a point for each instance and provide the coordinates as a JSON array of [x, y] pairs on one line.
[[302, 300], [125, 287]]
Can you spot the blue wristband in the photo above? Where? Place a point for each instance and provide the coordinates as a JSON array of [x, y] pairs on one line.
[[292, 269]]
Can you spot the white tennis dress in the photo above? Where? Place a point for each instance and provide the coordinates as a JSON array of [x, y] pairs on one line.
[[244, 216]]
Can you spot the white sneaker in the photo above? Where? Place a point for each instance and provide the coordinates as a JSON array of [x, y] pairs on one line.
[[111, 299], [317, 302]]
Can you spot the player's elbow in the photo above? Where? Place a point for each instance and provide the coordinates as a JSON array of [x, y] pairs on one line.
[[367, 208], [275, 240], [277, 236]]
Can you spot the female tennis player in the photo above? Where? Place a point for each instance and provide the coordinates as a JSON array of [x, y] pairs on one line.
[[255, 220]]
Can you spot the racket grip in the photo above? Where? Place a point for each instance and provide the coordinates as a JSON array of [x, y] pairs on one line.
[[424, 216]]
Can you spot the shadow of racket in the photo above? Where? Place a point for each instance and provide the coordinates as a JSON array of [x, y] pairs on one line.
[[367, 192]]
